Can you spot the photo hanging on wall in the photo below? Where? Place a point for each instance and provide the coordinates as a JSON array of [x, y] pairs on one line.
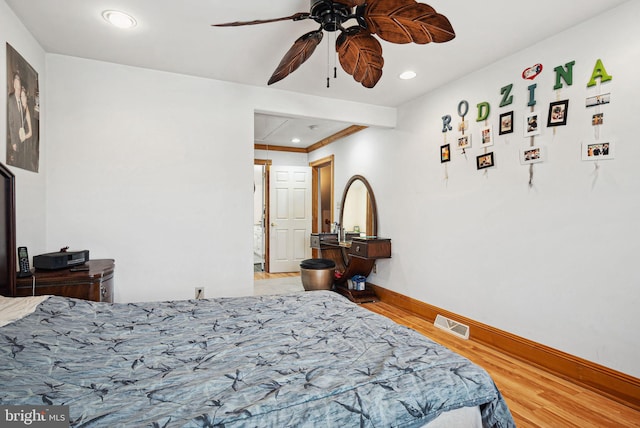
[[23, 113], [597, 119], [484, 161], [532, 154], [486, 134], [506, 123], [532, 124], [558, 112], [445, 153], [598, 100], [598, 150], [464, 141]]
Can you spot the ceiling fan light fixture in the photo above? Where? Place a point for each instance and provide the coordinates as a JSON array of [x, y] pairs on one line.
[[407, 75], [119, 19], [358, 49]]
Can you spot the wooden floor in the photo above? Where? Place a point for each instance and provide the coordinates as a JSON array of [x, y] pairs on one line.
[[265, 275], [535, 397]]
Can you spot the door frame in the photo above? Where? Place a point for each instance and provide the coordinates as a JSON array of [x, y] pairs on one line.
[[267, 169], [315, 194]]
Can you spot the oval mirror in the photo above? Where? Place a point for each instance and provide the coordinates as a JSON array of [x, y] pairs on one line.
[[358, 208]]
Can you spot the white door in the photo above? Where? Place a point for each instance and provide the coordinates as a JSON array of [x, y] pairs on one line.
[[290, 217]]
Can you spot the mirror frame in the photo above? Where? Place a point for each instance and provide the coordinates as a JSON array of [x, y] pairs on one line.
[[374, 209]]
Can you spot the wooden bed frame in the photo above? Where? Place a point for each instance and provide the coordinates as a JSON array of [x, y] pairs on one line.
[[8, 233]]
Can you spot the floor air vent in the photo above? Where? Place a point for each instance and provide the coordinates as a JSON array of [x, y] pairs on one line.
[[452, 327]]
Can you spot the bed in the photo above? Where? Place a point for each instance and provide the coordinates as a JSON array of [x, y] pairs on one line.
[[302, 359]]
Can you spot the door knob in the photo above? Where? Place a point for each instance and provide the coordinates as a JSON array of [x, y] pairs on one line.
[[274, 224]]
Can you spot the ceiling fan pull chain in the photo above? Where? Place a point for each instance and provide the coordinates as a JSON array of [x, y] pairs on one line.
[[335, 55], [328, 61]]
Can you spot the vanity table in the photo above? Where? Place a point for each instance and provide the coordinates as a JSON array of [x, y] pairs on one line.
[[357, 252]]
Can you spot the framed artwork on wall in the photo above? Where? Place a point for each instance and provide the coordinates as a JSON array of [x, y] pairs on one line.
[[484, 161], [531, 124], [558, 112], [596, 150], [486, 136], [597, 119], [464, 141], [506, 123], [532, 154], [598, 100], [23, 113], [445, 153]]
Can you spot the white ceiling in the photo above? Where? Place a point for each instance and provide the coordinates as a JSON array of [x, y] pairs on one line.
[[279, 130], [177, 36]]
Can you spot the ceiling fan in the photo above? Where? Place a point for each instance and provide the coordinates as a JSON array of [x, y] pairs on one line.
[[359, 53]]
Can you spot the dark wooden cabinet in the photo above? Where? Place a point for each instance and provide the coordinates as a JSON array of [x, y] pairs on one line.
[[95, 283], [376, 248], [353, 257]]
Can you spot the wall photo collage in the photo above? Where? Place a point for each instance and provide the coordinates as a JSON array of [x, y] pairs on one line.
[[555, 115]]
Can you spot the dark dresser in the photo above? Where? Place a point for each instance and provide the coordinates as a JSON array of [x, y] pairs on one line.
[[91, 281]]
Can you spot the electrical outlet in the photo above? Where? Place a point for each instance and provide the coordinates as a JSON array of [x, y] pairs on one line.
[[375, 268], [199, 293]]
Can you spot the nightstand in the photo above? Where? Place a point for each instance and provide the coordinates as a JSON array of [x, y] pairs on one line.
[[95, 283]]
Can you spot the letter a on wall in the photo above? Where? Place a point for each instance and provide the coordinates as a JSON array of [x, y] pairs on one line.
[[599, 72]]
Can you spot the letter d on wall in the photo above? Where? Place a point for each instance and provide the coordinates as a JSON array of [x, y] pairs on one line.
[[483, 111]]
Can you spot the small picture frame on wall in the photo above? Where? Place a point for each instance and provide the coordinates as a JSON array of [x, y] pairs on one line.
[[484, 161], [598, 100], [532, 154], [506, 123], [532, 124], [464, 141], [597, 119], [486, 136], [445, 153], [558, 112], [598, 150]]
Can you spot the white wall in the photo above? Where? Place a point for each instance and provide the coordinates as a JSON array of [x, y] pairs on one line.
[[555, 263], [155, 170], [30, 186]]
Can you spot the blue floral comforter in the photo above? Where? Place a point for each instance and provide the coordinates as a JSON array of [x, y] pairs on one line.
[[304, 359]]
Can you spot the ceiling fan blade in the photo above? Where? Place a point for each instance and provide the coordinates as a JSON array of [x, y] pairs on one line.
[[360, 55], [406, 21], [295, 17], [351, 3], [296, 55]]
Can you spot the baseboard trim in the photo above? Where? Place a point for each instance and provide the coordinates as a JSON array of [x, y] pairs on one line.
[[618, 386]]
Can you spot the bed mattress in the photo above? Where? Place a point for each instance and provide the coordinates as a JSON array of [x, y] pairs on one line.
[[304, 359]]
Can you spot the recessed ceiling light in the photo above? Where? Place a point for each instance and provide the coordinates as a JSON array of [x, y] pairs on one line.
[[407, 75], [295, 140], [119, 19]]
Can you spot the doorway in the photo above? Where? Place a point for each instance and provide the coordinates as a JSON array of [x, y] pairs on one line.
[[290, 217], [283, 216], [261, 170], [322, 196], [266, 281]]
